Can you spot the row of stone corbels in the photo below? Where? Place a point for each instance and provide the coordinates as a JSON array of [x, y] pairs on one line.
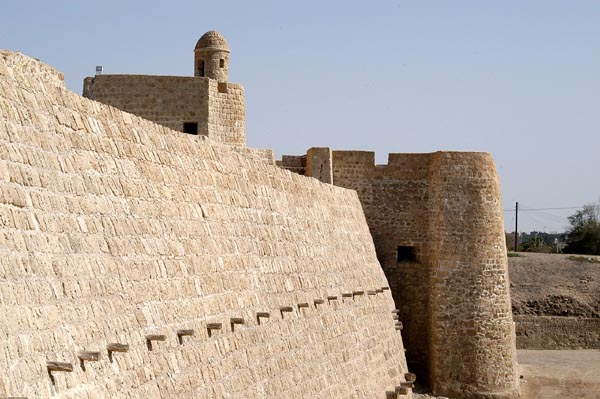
[[115, 347], [403, 388]]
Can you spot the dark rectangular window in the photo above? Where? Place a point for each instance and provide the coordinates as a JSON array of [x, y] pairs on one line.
[[222, 87], [407, 254], [222, 63], [190, 127]]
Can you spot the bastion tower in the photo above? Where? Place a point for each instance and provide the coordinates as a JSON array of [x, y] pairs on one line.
[[205, 104], [211, 57]]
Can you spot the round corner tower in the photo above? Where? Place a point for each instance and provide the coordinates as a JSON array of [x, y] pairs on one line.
[[211, 57]]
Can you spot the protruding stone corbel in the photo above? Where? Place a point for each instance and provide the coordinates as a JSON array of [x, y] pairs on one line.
[[303, 305], [213, 327], [318, 301], [396, 311], [262, 315], [346, 295], [398, 326], [372, 292], [184, 333], [332, 298], [236, 321], [116, 347], [411, 377], [400, 390], [58, 366], [154, 337], [386, 288], [87, 356], [358, 293], [379, 290], [285, 309]]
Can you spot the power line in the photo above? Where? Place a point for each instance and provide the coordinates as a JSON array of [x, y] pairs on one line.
[[544, 209], [541, 216]]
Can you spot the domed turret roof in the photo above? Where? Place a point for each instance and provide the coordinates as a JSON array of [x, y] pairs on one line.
[[212, 39]]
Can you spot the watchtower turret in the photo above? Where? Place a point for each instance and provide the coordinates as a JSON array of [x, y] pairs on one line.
[[211, 57]]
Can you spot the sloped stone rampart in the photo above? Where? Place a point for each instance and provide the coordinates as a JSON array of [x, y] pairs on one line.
[[115, 230]]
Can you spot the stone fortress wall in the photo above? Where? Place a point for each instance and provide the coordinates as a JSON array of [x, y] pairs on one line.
[[436, 220], [207, 271]]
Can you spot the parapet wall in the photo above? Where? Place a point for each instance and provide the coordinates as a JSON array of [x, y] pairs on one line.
[[114, 229], [436, 220]]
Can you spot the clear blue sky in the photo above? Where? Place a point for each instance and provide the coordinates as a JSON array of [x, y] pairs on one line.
[[520, 79]]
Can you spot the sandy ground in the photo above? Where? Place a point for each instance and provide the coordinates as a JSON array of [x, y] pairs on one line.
[[564, 374], [554, 285]]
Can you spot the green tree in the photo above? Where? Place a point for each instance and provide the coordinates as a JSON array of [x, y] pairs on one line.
[[584, 233], [537, 243]]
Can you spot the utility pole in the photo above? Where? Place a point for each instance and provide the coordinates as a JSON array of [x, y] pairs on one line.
[[516, 226]]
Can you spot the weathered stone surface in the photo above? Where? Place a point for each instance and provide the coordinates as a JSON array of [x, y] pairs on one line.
[[113, 227]]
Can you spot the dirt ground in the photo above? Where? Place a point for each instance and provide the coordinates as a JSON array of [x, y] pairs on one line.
[[559, 374], [564, 374], [554, 285]]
